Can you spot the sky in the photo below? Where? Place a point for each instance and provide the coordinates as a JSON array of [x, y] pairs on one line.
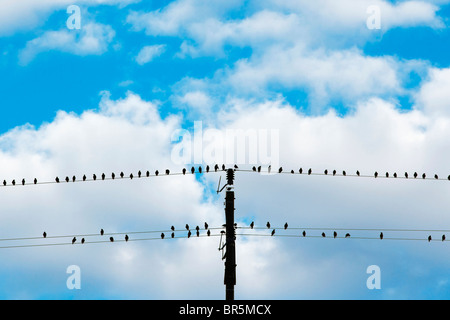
[[101, 86]]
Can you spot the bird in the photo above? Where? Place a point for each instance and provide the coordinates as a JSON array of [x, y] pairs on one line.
[[273, 232], [44, 234], [198, 233], [192, 170], [406, 175], [429, 238], [103, 176], [23, 182], [268, 225], [347, 235], [344, 173], [13, 182], [162, 235], [304, 233], [309, 171], [187, 227], [207, 169], [216, 167], [254, 169], [113, 175], [280, 170], [74, 239], [57, 180], [189, 234], [197, 228], [167, 171], [285, 226], [4, 182], [206, 226], [236, 167], [323, 234], [183, 171], [208, 232], [424, 176], [376, 174], [443, 237], [111, 239], [172, 228], [35, 181], [102, 232], [252, 224], [131, 176], [395, 174], [325, 172], [436, 176], [82, 240], [292, 171], [147, 173], [259, 168], [94, 176], [121, 174], [67, 179], [334, 234], [156, 173], [126, 237], [415, 174], [300, 170], [199, 169], [381, 235], [223, 167], [269, 168], [448, 177], [334, 172], [172, 235], [139, 173], [74, 179], [84, 177], [357, 173], [387, 174]]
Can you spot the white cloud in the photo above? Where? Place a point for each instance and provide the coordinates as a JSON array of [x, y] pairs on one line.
[[148, 53], [434, 96], [91, 39]]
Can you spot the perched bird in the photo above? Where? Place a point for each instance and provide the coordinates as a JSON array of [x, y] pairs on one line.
[[23, 182], [429, 238], [254, 169], [304, 233], [187, 227], [167, 171], [184, 170], [113, 175], [126, 237], [139, 173], [147, 173], [300, 170], [208, 233], [131, 176], [236, 167], [82, 240], [387, 174], [344, 173], [381, 235], [448, 177], [280, 170], [415, 174], [292, 171], [424, 176], [162, 235], [192, 170], [13, 182], [44, 234], [35, 181], [102, 232], [4, 182], [173, 235], [198, 233], [200, 169], [84, 177], [121, 174], [309, 171], [376, 174], [216, 167], [223, 167], [443, 237], [189, 234], [57, 180], [357, 173], [268, 225], [94, 176], [74, 239], [111, 239], [269, 168], [259, 168], [207, 169], [334, 172], [436, 176], [406, 175], [156, 173], [395, 174], [334, 234], [323, 234], [74, 179], [285, 226], [103, 176], [197, 228], [273, 232], [67, 179], [347, 235], [252, 224], [206, 226], [172, 228], [325, 172]]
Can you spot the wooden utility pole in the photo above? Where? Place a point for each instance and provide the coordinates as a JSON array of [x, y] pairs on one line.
[[230, 255]]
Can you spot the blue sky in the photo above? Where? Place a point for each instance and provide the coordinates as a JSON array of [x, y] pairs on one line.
[[110, 95]]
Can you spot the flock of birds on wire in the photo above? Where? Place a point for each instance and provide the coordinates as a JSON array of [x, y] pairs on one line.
[[216, 168]]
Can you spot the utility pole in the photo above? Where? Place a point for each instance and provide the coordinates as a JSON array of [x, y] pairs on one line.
[[230, 254]]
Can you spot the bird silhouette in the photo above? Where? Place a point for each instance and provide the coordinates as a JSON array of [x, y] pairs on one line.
[[216, 167], [269, 168], [67, 179], [197, 233], [189, 233], [347, 235], [254, 169], [172, 228], [84, 177], [197, 228], [325, 172], [406, 175], [268, 225], [113, 175], [184, 171], [381, 235], [252, 224], [57, 180], [415, 175], [162, 235], [102, 232], [443, 237], [273, 232], [424, 176], [35, 181], [236, 167], [147, 173], [187, 227], [344, 173], [156, 173], [172, 235], [207, 169], [82, 240], [44, 234], [436, 176], [334, 234], [94, 176], [387, 174], [4, 182], [200, 169], [395, 174], [448, 177], [167, 171], [74, 239], [292, 171], [259, 168], [23, 182], [139, 173], [357, 173], [309, 171], [429, 238], [323, 234], [192, 170], [74, 179], [121, 174], [131, 176], [304, 233], [208, 233], [280, 170], [285, 226], [126, 237], [300, 170], [334, 172], [376, 174], [111, 239], [206, 226], [13, 182], [223, 167], [103, 176]]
